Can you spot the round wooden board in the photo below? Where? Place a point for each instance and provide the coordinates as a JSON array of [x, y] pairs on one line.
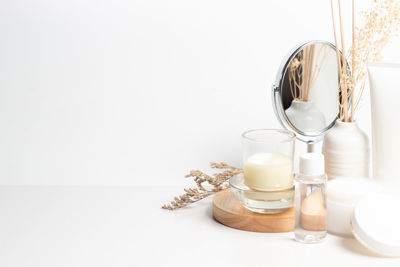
[[228, 211]]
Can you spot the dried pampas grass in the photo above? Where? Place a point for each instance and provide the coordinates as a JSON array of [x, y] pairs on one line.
[[379, 25]]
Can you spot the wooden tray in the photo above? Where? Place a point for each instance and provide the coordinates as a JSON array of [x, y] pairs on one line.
[[228, 211]]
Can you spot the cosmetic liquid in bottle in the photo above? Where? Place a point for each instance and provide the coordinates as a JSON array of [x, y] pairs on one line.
[[310, 199]]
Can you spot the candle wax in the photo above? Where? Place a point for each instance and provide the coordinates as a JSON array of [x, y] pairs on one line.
[[268, 171]]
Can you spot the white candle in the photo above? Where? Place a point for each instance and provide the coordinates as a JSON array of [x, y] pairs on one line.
[[268, 171]]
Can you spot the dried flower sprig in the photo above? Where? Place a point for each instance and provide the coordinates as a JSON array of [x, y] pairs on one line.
[[206, 185], [379, 25]]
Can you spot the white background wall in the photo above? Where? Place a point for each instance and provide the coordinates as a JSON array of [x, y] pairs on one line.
[[128, 92]]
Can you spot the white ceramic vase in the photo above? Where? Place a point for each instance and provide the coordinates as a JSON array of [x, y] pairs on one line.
[[346, 151], [305, 116]]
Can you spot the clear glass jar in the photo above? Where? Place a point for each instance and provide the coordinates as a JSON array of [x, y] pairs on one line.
[[268, 167]]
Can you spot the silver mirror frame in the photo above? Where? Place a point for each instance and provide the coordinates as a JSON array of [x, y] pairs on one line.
[[277, 100]]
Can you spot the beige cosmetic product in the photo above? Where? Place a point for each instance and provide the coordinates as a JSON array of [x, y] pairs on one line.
[[313, 212]]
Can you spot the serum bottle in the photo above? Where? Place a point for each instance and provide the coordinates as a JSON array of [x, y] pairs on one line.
[[310, 199]]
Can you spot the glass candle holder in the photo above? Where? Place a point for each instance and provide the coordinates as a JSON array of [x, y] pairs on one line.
[[268, 170]]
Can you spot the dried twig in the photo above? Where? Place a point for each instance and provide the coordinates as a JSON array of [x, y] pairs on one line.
[[303, 71], [206, 185]]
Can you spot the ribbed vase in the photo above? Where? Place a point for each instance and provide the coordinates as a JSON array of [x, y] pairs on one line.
[[305, 116], [346, 150]]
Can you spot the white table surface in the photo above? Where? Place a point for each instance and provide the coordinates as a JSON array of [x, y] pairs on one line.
[[124, 226]]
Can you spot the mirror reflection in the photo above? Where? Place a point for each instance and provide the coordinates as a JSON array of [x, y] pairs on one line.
[[309, 92]]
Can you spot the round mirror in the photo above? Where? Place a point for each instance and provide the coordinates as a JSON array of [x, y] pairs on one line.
[[305, 94]]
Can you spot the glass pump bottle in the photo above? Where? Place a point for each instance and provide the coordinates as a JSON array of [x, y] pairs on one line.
[[310, 199]]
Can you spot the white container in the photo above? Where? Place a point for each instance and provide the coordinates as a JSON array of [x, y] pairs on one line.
[[346, 151], [384, 79], [375, 224], [342, 196]]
